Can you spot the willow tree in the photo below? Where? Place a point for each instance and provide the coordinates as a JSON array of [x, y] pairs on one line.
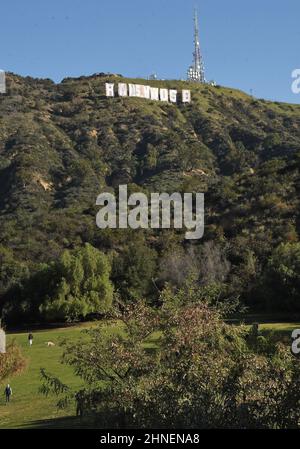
[[83, 285]]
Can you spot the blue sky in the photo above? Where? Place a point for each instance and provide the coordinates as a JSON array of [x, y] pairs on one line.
[[246, 44]]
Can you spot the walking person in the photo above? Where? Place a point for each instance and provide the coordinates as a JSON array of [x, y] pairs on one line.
[[79, 404], [30, 339], [8, 393]]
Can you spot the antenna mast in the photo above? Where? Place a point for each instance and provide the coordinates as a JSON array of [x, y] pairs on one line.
[[196, 70]]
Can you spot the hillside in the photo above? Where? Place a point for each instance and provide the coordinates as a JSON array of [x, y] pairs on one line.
[[63, 144]]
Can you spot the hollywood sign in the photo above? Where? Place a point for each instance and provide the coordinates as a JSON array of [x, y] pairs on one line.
[[147, 92]]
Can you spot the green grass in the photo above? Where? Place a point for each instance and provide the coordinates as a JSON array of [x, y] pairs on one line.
[[286, 328], [28, 408]]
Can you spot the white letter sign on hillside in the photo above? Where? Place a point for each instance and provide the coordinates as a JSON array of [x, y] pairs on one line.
[[132, 90], [164, 95], [110, 92], [147, 92], [186, 96], [154, 93], [173, 96], [138, 90], [122, 90]]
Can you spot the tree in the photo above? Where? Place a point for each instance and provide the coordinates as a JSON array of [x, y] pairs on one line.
[[134, 270], [83, 285], [282, 277], [11, 270]]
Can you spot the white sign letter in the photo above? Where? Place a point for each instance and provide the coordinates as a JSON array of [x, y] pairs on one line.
[[154, 93], [186, 96], [164, 95], [173, 96], [122, 90], [109, 89], [132, 91], [147, 92]]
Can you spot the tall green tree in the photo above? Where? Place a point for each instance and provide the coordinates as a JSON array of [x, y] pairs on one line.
[[282, 278], [83, 287], [135, 269]]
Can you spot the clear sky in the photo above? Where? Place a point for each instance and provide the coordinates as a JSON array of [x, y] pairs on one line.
[[252, 44]]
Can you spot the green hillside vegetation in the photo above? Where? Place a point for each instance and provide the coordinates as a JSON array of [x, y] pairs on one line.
[[63, 144]]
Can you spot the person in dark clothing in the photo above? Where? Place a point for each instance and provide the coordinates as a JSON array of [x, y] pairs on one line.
[[8, 393], [79, 403], [30, 339]]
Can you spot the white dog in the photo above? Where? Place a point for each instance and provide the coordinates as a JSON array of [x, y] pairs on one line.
[[50, 343]]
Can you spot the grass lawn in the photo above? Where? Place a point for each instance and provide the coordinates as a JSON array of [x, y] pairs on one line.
[[28, 408], [286, 328]]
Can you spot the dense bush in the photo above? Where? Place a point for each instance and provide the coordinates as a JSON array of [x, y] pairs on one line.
[[12, 362]]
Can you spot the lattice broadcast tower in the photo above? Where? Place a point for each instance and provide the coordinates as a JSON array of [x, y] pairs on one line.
[[196, 70]]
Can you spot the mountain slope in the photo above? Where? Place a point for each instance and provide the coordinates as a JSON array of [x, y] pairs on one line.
[[62, 144]]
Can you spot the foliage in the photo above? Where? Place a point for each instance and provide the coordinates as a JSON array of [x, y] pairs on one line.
[[134, 270], [12, 362], [282, 277], [183, 367], [83, 285], [77, 285]]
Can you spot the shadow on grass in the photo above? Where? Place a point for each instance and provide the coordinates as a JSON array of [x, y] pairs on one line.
[[99, 422], [71, 422]]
